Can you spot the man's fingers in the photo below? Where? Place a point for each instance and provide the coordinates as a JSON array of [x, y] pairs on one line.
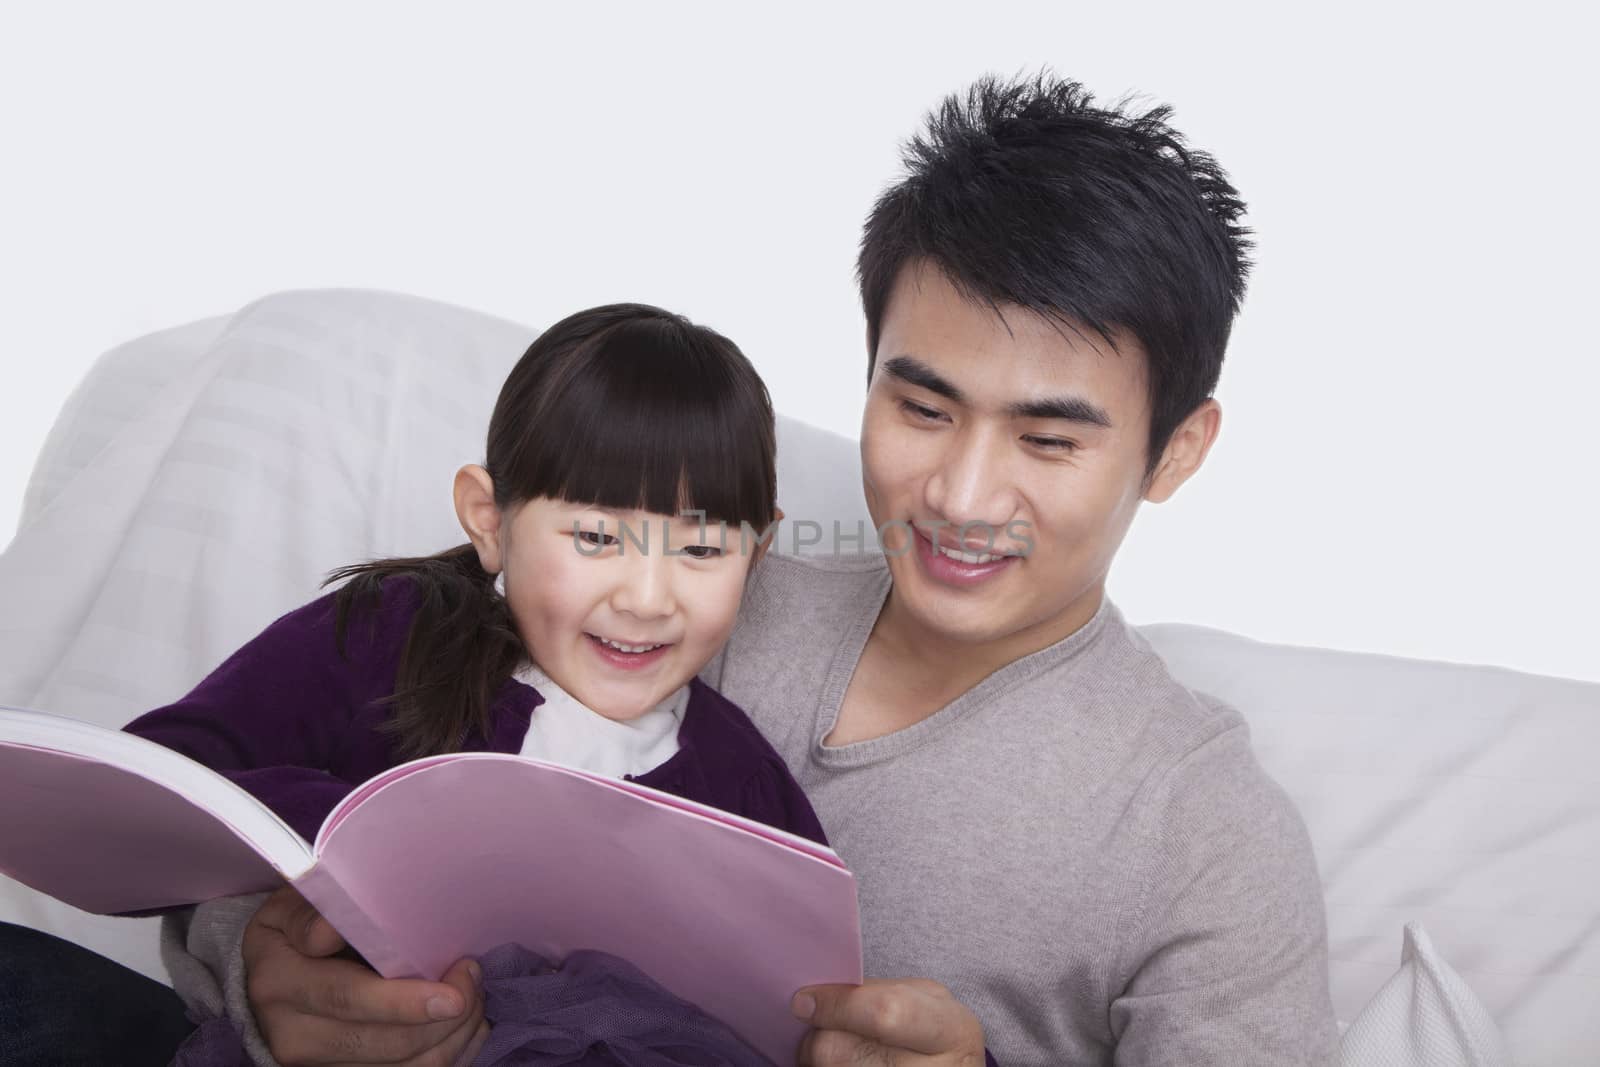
[[300, 1037], [316, 936], [916, 1016], [331, 1043], [291, 915], [315, 1008], [835, 1048], [345, 991], [466, 978], [309, 932], [479, 1037], [278, 907], [887, 1013], [282, 972]]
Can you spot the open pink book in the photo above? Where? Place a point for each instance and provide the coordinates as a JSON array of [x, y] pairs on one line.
[[446, 857]]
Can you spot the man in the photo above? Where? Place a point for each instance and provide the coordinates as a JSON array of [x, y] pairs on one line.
[[1086, 856], [1063, 856]]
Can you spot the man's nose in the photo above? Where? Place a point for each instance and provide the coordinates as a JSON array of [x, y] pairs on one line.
[[973, 482]]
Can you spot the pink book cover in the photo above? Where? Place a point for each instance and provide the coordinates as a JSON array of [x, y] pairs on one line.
[[446, 857]]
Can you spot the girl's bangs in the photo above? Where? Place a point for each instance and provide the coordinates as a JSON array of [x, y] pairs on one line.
[[652, 416]]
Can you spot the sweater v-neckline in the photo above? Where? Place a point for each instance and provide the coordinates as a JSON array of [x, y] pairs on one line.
[[847, 657]]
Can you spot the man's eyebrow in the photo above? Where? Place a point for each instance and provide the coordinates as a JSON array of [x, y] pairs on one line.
[[1070, 408], [913, 371]]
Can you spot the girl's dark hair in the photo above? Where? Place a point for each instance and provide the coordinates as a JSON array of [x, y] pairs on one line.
[[624, 406], [1025, 192]]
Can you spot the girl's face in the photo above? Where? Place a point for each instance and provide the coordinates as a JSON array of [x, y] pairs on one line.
[[620, 608]]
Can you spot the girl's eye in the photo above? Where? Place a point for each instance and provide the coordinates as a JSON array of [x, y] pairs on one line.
[[595, 537], [921, 411], [1051, 444], [702, 551]]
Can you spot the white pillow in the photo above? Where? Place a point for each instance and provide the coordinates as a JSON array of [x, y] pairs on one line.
[[1424, 1016]]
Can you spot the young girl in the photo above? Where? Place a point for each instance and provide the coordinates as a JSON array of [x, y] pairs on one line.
[[572, 625]]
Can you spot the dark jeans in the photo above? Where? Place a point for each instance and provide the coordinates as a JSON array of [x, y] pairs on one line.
[[64, 1006]]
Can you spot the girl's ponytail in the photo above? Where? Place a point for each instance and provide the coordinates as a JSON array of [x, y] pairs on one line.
[[461, 648]]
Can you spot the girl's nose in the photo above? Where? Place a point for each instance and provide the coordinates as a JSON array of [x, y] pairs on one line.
[[644, 586]]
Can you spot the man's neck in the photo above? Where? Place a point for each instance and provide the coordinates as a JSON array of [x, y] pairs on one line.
[[908, 671], [933, 653]]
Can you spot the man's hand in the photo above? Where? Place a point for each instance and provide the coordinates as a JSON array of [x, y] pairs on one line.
[[313, 1009], [907, 1022]]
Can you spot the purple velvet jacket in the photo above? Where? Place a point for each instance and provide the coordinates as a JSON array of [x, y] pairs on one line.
[[295, 723]]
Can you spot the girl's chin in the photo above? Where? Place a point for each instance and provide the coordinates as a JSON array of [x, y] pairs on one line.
[[620, 707], [623, 714]]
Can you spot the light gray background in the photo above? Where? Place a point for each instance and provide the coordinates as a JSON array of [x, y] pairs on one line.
[[1408, 459]]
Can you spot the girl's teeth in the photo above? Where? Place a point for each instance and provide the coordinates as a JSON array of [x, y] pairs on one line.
[[628, 648], [967, 557]]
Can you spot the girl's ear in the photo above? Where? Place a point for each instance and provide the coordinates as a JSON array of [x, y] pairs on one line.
[[479, 515]]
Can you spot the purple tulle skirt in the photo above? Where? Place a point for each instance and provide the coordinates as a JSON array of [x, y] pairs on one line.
[[595, 1010]]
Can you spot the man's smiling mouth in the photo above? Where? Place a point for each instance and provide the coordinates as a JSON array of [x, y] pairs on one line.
[[970, 551], [960, 565]]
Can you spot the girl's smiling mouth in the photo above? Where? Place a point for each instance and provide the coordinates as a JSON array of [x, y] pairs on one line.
[[624, 654]]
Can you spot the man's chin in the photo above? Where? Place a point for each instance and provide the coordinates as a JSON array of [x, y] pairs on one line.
[[963, 614]]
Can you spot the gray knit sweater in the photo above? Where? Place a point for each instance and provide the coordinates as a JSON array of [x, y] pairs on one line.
[[1084, 851]]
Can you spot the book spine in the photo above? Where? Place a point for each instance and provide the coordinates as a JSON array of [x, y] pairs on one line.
[[375, 945]]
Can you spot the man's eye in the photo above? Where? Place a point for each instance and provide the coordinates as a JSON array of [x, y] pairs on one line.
[[920, 411], [1051, 444], [702, 551], [595, 537]]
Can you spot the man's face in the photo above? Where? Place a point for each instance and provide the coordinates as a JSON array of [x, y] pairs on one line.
[[1027, 430]]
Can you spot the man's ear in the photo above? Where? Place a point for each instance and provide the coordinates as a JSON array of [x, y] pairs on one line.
[[762, 546], [1184, 453], [479, 515]]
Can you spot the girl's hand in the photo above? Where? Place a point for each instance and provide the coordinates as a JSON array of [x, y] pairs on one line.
[[892, 1023], [313, 1009]]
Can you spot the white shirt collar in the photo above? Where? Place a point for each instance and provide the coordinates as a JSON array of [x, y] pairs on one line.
[[564, 731]]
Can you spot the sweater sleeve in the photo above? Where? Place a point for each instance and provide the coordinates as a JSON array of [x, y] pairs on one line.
[[202, 950], [1226, 957]]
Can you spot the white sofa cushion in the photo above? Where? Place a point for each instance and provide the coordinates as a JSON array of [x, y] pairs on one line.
[[1462, 797]]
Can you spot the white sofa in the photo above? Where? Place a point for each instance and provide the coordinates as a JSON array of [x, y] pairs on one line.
[[203, 479]]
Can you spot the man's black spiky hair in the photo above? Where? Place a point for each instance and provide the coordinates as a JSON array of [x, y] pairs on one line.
[[1023, 192]]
